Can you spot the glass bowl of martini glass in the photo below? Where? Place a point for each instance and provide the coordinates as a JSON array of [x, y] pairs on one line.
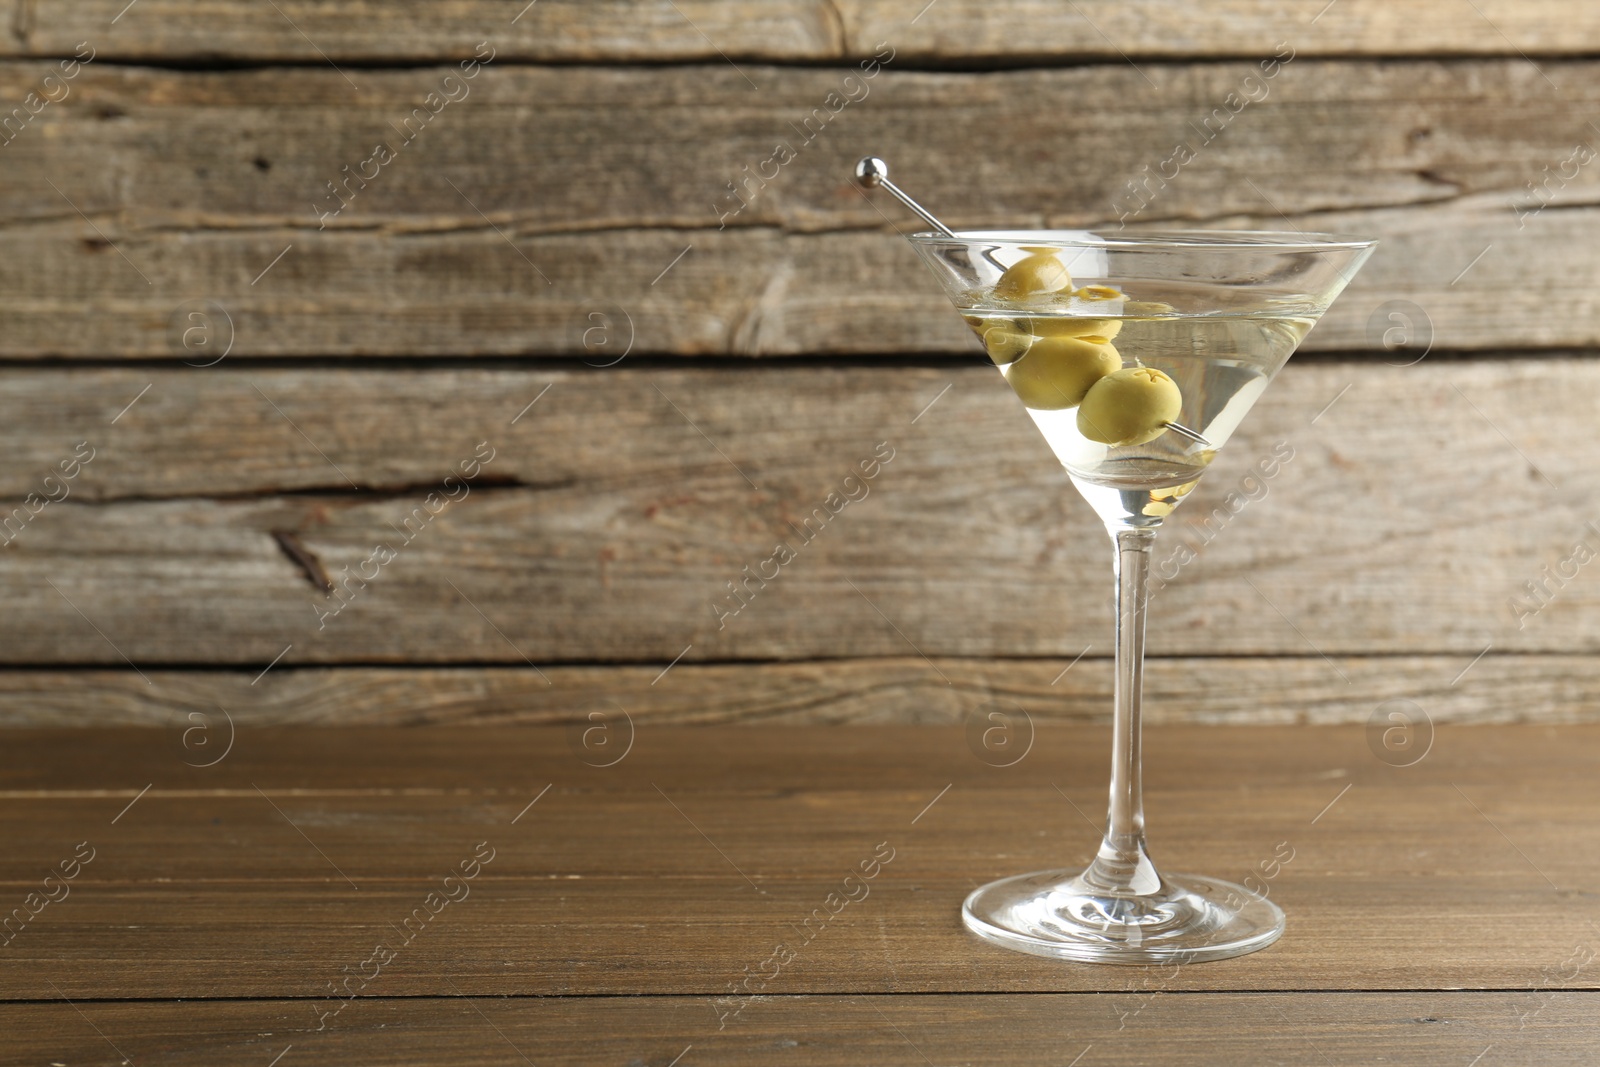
[[1137, 355]]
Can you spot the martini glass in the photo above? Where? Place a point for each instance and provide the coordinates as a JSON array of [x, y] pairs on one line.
[[1137, 356]]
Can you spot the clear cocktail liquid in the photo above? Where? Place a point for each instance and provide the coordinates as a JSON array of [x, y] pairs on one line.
[[1220, 347]]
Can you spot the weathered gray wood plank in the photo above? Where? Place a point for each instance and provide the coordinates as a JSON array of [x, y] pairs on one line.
[[499, 768], [604, 148], [897, 690], [1418, 503], [202, 180], [953, 30]]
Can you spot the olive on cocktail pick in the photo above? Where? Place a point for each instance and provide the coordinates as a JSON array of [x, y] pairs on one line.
[[1005, 343], [1041, 275], [1131, 406], [1058, 372], [1073, 326]]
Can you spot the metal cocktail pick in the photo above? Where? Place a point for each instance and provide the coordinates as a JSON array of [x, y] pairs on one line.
[[872, 172]]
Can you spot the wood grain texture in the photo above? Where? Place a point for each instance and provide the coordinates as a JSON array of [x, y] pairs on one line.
[[617, 510], [501, 228], [895, 1031], [895, 690], [1002, 1029], [309, 845], [795, 30]]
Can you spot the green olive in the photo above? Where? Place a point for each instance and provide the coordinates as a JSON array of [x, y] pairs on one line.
[[1071, 326], [1097, 292], [1058, 371], [1129, 407], [1032, 276], [1162, 501], [1004, 342]]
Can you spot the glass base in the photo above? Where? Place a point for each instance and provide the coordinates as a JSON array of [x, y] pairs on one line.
[[1184, 919]]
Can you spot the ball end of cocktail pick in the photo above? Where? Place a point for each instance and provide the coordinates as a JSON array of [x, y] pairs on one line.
[[871, 172]]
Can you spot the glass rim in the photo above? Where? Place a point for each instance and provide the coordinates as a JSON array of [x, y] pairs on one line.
[[1211, 240]]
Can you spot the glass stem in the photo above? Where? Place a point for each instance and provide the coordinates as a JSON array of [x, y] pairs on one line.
[[1122, 863]]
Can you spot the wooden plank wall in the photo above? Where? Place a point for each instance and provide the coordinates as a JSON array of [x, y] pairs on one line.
[[545, 386]]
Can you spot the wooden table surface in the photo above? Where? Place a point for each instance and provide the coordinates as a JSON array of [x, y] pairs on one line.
[[292, 898]]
